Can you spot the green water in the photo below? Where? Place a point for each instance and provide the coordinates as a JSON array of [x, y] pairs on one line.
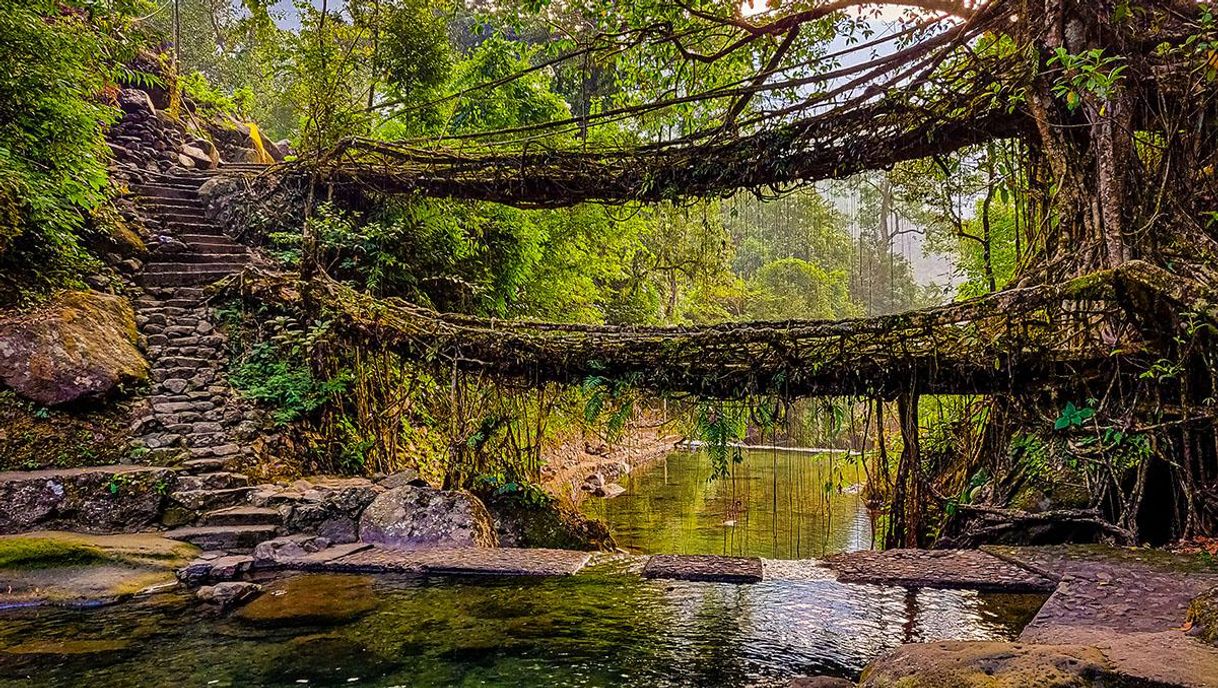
[[776, 504], [607, 627]]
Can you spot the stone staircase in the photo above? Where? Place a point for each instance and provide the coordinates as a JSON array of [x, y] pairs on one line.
[[194, 419], [192, 249]]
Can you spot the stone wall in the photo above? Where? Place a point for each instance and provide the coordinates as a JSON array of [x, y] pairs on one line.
[[107, 499]]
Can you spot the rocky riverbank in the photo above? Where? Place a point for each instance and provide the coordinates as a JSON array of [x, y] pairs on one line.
[[585, 465]]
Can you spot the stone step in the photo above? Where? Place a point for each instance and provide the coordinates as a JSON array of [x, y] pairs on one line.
[[176, 267], [224, 451], [187, 300], [159, 191], [224, 538], [209, 241], [210, 500], [210, 254], [201, 466], [189, 224], [222, 480], [243, 516], [180, 279], [153, 203]]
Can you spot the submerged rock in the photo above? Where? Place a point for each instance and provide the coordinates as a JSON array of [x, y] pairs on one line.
[[311, 600], [328, 660], [990, 665], [411, 517], [19, 661], [80, 346]]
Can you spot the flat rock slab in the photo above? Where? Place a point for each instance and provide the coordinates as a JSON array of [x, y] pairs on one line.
[[464, 561], [702, 567], [1168, 658], [946, 569], [1133, 591]]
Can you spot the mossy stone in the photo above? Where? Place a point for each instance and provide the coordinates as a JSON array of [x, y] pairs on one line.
[[311, 600]]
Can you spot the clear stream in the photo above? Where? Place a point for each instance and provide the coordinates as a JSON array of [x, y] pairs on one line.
[[606, 626]]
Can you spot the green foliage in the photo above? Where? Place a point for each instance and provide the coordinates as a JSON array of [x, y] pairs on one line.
[[791, 288], [1088, 73], [500, 485], [212, 102], [610, 399], [1073, 416], [414, 50], [289, 387], [60, 65], [277, 370], [721, 427]]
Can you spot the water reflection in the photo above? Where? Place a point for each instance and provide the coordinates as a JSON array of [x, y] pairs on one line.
[[777, 503], [601, 628]]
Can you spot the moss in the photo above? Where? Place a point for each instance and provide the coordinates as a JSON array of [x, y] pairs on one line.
[[54, 549], [311, 600], [32, 437], [1203, 615], [40, 553]]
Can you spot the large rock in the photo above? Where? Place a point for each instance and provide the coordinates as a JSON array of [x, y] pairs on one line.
[[102, 499], [329, 507], [990, 665], [133, 101], [80, 346], [411, 517], [543, 521], [1203, 616]]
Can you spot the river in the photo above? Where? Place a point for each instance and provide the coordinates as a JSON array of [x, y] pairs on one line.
[[777, 504]]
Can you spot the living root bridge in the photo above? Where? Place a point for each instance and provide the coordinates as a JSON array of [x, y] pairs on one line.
[[1012, 340]]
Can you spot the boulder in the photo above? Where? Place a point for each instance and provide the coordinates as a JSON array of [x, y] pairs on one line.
[[608, 491], [284, 549], [243, 154], [410, 517], [964, 664], [101, 499], [82, 345], [228, 595], [133, 101], [1203, 616], [543, 521], [198, 157], [329, 507], [402, 478]]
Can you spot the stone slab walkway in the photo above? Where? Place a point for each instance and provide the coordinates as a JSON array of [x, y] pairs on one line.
[[1132, 591], [1131, 604], [947, 569], [691, 567]]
